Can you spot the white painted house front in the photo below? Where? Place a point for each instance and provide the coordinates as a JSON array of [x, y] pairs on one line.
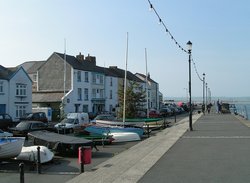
[[15, 92]]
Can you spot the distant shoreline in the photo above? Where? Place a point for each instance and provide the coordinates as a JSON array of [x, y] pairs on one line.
[[223, 99]]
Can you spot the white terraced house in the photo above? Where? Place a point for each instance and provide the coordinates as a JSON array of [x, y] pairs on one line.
[[15, 92]]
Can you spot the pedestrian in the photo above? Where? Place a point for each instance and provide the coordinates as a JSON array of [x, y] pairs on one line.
[[217, 106], [209, 107]]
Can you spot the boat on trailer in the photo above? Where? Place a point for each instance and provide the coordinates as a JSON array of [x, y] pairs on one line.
[[107, 130], [58, 142], [11, 147], [30, 154]]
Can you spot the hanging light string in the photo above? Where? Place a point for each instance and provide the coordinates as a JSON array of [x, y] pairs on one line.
[[195, 68], [165, 27], [172, 37]]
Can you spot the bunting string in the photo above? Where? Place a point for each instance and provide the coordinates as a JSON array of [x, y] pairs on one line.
[[172, 37]]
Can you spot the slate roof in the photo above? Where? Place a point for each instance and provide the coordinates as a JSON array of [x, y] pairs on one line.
[[121, 74], [86, 66], [144, 76], [35, 67], [47, 96], [7, 73]]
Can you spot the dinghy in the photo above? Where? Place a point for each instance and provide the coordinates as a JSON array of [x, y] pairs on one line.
[[30, 154], [10, 147]]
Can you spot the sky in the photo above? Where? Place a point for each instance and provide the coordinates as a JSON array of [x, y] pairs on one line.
[[219, 30]]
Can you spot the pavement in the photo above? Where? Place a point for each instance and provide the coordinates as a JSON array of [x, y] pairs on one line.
[[216, 151], [132, 164]]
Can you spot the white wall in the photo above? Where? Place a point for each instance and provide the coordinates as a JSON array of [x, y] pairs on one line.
[[22, 78]]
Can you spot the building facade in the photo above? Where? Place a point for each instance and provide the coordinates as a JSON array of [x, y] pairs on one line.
[[15, 92]]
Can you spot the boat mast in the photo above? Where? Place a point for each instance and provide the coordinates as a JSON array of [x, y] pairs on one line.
[[64, 70], [125, 84], [146, 81]]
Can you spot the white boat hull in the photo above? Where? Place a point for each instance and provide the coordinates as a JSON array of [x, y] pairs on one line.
[[125, 136], [120, 123], [30, 154], [11, 147]]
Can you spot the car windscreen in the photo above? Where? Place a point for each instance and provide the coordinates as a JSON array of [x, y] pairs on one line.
[[71, 121], [23, 125]]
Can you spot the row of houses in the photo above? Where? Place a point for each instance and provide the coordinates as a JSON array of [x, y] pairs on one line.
[[74, 83]]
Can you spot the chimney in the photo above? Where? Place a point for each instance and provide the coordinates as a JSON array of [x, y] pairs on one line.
[[80, 57], [91, 59], [149, 75]]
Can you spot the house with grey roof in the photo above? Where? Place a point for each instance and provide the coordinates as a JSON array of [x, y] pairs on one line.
[[77, 84], [15, 92]]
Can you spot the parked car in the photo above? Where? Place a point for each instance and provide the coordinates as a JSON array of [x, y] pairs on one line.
[[6, 121], [37, 116], [24, 127], [72, 121], [154, 114], [164, 112]]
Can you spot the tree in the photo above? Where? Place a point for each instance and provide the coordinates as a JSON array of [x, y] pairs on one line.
[[135, 99]]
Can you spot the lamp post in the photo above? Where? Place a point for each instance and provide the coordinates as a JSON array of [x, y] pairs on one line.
[[203, 102], [206, 94], [189, 48]]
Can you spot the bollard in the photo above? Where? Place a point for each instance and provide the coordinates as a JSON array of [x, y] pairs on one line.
[[148, 130], [164, 123], [81, 159], [21, 171], [38, 161], [175, 117]]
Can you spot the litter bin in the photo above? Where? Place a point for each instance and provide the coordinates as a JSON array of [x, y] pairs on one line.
[[84, 155]]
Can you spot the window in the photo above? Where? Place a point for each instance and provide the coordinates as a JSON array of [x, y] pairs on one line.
[[110, 94], [94, 78], [101, 79], [34, 77], [85, 108], [1, 87], [86, 77], [20, 110], [20, 90], [101, 93], [79, 76], [79, 94], [111, 82], [86, 94], [94, 93]]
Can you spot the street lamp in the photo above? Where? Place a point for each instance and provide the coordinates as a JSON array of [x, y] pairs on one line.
[[206, 95], [204, 90], [189, 48]]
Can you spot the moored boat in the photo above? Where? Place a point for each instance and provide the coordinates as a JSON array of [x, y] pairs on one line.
[[11, 147]]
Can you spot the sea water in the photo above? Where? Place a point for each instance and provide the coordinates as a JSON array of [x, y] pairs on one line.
[[243, 110]]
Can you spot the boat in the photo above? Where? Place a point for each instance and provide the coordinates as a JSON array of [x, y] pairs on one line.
[[107, 130], [155, 124], [58, 142], [30, 154], [138, 123], [125, 136], [5, 134], [11, 147]]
